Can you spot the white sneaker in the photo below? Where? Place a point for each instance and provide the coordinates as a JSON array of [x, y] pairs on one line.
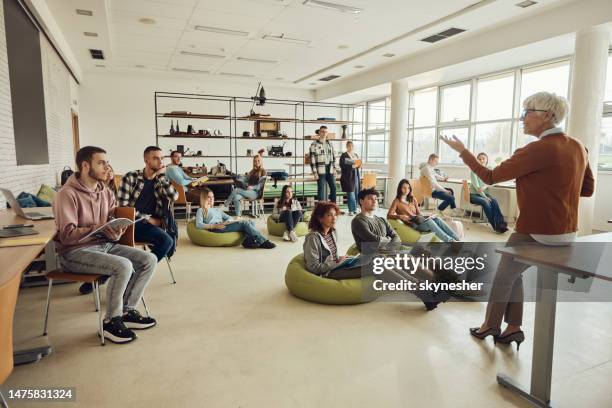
[[286, 236], [293, 236]]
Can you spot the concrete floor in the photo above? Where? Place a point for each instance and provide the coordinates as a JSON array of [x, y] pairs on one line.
[[230, 335]]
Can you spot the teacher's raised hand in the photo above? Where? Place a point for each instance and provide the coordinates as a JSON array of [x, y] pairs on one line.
[[454, 143]]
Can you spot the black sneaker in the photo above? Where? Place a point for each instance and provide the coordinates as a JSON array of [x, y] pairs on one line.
[[267, 245], [134, 320], [86, 288], [116, 331]]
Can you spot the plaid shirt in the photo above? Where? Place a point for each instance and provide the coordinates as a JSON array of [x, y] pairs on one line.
[[132, 185], [319, 157]]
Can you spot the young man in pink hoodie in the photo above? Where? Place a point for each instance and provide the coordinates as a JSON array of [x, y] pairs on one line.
[[82, 205]]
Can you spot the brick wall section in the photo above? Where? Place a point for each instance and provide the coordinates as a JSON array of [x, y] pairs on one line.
[[56, 82]]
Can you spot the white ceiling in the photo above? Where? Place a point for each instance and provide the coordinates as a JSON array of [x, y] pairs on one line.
[[128, 43]]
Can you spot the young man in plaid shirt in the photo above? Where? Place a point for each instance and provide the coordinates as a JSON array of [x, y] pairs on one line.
[[322, 160], [144, 190]]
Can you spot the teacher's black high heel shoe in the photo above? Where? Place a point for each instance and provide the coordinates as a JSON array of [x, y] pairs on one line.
[[490, 332], [517, 336]]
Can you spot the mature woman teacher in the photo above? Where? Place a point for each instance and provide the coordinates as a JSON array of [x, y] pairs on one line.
[[551, 175]]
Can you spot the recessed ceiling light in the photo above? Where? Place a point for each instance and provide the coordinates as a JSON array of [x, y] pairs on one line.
[[279, 78], [388, 55], [146, 20], [283, 38], [313, 83], [84, 12], [343, 47], [222, 31], [333, 6], [236, 75], [261, 61], [526, 3], [197, 71], [359, 66], [100, 66], [139, 66], [90, 34], [201, 54]]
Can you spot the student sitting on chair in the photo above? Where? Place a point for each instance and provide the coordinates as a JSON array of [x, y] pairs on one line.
[[175, 172], [434, 175], [82, 205], [214, 219], [289, 211], [479, 195], [405, 208], [251, 192], [146, 190]]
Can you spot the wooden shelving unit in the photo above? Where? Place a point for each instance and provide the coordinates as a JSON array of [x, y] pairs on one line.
[[292, 113]]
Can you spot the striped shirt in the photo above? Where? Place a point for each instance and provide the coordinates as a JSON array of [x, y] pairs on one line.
[[329, 240]]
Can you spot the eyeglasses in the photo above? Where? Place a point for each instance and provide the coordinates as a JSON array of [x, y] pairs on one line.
[[526, 112]]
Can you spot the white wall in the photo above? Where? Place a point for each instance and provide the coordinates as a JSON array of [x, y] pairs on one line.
[[116, 112], [56, 81]]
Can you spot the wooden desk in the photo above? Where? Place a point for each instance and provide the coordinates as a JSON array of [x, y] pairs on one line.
[[15, 260], [579, 262]]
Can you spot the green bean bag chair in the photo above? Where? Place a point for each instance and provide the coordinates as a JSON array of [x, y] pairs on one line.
[[213, 239], [409, 234], [277, 228], [353, 250], [313, 288]]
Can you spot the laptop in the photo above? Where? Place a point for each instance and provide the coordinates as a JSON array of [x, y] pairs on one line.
[[30, 215]]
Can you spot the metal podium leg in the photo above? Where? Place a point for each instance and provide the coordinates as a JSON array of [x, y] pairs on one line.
[[543, 343]]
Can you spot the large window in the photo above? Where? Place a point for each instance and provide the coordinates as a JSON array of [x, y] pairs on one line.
[[448, 155], [377, 134], [455, 103], [495, 96], [424, 144], [358, 129], [605, 151], [494, 139], [425, 105]]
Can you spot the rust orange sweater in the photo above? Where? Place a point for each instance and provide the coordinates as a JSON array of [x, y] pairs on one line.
[[551, 175]]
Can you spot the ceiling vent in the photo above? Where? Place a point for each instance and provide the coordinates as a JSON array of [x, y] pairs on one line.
[[443, 35], [82, 12], [329, 78], [96, 54], [526, 3]]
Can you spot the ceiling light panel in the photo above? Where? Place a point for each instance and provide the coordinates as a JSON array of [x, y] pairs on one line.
[[333, 6], [233, 74], [202, 54], [90, 34], [285, 39], [194, 71], [83, 12], [220, 30], [256, 60]]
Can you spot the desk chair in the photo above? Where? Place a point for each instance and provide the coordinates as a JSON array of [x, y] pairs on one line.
[[466, 203], [126, 239], [145, 245], [426, 191], [182, 200], [8, 300]]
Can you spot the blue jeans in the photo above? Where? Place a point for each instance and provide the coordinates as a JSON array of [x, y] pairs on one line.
[[351, 201], [160, 241], [328, 178], [447, 198], [248, 227], [237, 195], [290, 218], [438, 227], [490, 206]]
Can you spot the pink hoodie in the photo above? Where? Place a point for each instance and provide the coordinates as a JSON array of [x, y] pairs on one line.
[[78, 211]]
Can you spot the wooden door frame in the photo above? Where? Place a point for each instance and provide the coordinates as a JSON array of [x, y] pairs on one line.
[[76, 143]]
